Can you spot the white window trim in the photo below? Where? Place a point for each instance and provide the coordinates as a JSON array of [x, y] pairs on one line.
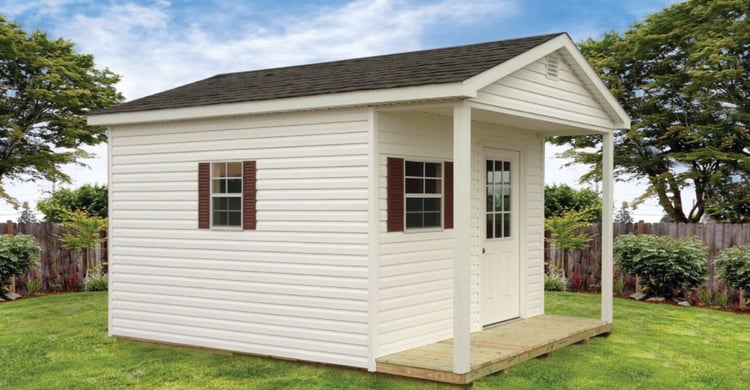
[[227, 195], [440, 195]]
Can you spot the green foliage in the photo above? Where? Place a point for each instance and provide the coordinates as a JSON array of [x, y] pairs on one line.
[[565, 233], [734, 266], [561, 199], [618, 287], [46, 91], [18, 254], [554, 280], [96, 280], [705, 296], [33, 286], [87, 230], [682, 77], [623, 214], [665, 264], [27, 216], [91, 199], [722, 299]]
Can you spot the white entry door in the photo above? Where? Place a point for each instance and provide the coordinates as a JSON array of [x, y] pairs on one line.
[[500, 264]]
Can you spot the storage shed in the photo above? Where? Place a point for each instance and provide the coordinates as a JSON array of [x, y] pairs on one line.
[[348, 211]]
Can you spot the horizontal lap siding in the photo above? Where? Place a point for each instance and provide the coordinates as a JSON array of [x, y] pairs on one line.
[[294, 288], [528, 90], [415, 274]]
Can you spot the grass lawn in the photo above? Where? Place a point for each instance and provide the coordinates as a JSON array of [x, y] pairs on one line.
[[60, 342]]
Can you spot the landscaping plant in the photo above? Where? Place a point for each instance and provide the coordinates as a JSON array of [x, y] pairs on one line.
[[18, 254], [565, 231], [666, 265], [734, 266], [554, 280], [96, 280]]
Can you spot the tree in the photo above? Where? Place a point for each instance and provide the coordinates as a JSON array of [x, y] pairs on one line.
[[18, 254], [46, 91], [682, 76], [89, 198], [623, 214], [87, 234], [27, 216], [561, 199], [565, 232]]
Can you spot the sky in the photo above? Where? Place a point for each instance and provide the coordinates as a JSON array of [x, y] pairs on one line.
[[160, 44]]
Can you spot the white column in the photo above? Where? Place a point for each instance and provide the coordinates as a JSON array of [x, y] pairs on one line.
[[462, 234], [607, 220]]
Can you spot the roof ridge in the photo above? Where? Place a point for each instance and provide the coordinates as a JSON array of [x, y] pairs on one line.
[[411, 52], [379, 72]]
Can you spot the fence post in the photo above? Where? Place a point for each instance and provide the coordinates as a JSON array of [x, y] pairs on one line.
[[10, 231]]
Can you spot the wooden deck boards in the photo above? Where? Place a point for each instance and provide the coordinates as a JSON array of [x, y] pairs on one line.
[[494, 349]]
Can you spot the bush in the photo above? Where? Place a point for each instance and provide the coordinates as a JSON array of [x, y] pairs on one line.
[[18, 254], [96, 280], [554, 280], [665, 265], [734, 266]]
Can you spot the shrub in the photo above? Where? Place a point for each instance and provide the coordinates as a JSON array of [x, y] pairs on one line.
[[665, 265], [618, 287], [18, 254], [554, 280], [705, 296], [734, 266], [33, 286], [722, 299], [96, 280]]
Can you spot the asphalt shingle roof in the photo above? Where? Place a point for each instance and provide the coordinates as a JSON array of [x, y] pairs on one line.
[[436, 66]]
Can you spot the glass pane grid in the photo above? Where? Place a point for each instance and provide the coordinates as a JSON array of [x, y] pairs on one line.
[[423, 187], [226, 190], [498, 219]]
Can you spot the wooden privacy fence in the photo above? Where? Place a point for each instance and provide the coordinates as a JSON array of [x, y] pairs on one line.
[[587, 261], [58, 268]]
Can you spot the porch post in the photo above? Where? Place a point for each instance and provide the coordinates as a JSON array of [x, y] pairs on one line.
[[462, 238], [607, 220]]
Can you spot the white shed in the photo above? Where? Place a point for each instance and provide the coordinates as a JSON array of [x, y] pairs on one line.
[[347, 211]]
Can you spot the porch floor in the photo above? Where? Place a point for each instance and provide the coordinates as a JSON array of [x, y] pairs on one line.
[[494, 349]]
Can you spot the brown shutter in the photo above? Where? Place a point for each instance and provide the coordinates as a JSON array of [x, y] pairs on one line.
[[448, 196], [204, 195], [395, 194], [249, 195]]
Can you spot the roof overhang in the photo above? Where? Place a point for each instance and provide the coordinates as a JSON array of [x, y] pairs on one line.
[[306, 103], [467, 89]]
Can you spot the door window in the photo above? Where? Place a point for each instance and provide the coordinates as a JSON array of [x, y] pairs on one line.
[[498, 190]]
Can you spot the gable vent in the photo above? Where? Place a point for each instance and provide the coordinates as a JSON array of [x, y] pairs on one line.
[[553, 62]]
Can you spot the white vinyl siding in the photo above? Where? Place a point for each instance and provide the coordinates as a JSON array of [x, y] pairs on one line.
[[531, 180], [565, 99], [415, 275], [297, 287]]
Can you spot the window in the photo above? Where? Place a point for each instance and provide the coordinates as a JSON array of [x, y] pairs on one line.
[[227, 195], [419, 194], [423, 184], [498, 199]]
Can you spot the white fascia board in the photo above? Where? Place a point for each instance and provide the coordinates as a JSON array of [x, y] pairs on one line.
[[305, 103], [476, 83]]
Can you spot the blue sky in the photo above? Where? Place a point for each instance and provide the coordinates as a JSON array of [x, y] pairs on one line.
[[159, 44]]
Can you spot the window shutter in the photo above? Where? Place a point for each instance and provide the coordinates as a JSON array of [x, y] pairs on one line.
[[448, 198], [204, 195], [395, 192], [249, 195]]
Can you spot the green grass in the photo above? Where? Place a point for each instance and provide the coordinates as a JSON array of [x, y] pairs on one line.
[[61, 342]]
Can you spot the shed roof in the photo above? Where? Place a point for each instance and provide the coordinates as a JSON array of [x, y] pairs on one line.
[[417, 68]]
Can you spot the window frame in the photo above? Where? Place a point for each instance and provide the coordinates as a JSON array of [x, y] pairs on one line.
[[424, 195], [239, 195]]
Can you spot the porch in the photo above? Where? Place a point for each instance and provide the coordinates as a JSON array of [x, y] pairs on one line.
[[494, 349]]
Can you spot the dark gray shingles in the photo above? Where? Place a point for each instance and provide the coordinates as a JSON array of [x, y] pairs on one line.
[[436, 66]]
